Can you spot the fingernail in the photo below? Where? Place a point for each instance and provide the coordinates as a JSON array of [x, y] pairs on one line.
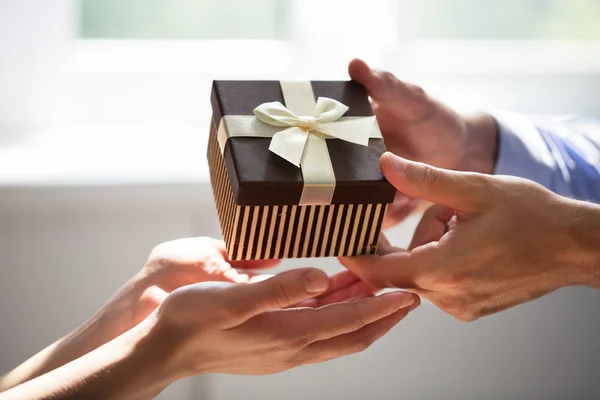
[[403, 299], [315, 281], [398, 163]]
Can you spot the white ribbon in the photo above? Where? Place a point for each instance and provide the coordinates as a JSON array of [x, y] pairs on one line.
[[303, 142], [291, 143]]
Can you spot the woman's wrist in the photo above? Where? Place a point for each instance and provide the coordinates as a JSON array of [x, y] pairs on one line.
[[133, 366], [144, 362], [108, 323]]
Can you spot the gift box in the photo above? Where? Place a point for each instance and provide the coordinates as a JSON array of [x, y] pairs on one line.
[[294, 168]]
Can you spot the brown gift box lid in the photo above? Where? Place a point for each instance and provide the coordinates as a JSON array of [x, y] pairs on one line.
[[260, 177]]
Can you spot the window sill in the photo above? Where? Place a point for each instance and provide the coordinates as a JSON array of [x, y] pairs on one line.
[[166, 153]]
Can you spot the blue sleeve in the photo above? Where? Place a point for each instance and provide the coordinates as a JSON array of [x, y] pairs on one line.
[[562, 156]]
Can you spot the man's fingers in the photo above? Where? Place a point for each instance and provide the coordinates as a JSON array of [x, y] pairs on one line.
[[360, 72], [383, 86], [397, 269], [343, 286], [433, 225], [399, 210], [358, 290], [459, 190], [280, 291], [255, 264], [339, 281], [341, 318], [351, 343]]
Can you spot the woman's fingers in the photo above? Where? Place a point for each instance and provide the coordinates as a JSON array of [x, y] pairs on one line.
[[343, 286], [342, 318], [355, 291], [350, 343], [280, 291]]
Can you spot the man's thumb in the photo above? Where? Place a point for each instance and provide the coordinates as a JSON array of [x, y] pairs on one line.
[[280, 291], [461, 191]]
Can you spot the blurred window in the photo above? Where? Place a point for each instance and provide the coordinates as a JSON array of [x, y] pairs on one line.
[[182, 19], [501, 20], [266, 19]]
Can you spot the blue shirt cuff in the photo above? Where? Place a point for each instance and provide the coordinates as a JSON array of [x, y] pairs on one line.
[[522, 151]]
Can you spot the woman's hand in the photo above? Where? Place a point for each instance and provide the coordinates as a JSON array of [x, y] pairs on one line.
[[222, 327], [219, 327], [491, 243], [186, 261], [170, 265]]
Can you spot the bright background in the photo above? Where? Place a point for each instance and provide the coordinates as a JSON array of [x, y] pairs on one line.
[[104, 117]]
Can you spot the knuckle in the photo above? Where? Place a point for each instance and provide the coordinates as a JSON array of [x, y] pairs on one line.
[[279, 293], [445, 304], [466, 316], [430, 175], [466, 313], [388, 77], [456, 307], [417, 91]]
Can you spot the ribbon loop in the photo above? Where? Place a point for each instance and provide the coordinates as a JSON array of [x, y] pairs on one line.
[[275, 114], [329, 110]]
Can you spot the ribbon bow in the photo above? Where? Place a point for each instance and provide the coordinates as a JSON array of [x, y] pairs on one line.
[[307, 134]]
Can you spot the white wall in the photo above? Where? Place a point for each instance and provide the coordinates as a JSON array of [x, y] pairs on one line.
[[66, 250]]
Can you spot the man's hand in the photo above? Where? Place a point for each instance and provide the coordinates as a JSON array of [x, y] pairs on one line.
[[490, 243], [419, 128]]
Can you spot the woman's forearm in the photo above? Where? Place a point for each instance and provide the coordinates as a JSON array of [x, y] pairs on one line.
[[132, 366], [104, 326]]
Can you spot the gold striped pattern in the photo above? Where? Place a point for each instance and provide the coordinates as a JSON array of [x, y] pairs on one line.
[[265, 232], [229, 213]]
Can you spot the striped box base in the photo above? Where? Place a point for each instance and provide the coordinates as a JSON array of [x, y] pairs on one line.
[[290, 231]]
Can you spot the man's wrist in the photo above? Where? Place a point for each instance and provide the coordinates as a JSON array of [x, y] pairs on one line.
[[584, 229], [481, 144]]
